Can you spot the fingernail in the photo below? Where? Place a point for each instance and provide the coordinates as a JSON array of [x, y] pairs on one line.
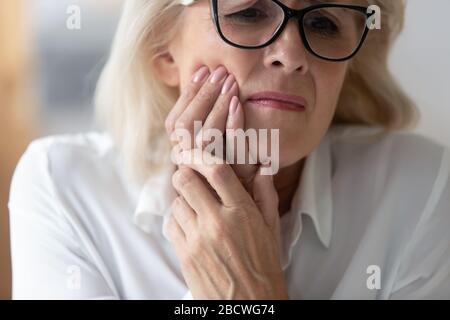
[[200, 75], [218, 75], [228, 84], [234, 104]]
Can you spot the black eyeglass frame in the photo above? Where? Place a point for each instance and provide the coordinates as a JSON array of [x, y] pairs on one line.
[[290, 13]]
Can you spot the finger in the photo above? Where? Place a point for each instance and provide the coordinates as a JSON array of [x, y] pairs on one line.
[[177, 238], [185, 216], [217, 118], [237, 147], [174, 231], [266, 197], [194, 191], [186, 96], [219, 175], [201, 106]]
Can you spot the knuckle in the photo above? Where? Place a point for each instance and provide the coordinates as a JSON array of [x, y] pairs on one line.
[[202, 140], [218, 232], [181, 178], [171, 229], [205, 95], [182, 124], [242, 202], [221, 106], [219, 172], [188, 92], [187, 261], [180, 212], [169, 124], [176, 205], [204, 144], [243, 217], [195, 249]]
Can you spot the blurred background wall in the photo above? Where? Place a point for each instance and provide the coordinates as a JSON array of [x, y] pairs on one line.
[[69, 59], [421, 59], [53, 93]]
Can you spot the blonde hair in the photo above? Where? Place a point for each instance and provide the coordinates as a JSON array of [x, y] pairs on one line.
[[132, 104], [370, 94]]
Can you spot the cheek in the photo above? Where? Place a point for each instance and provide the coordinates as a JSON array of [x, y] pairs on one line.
[[198, 48], [202, 46], [329, 80]]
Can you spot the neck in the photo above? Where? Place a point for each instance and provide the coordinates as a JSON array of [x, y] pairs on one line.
[[286, 183]]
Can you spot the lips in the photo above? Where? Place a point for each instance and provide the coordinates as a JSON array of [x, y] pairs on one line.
[[278, 100]]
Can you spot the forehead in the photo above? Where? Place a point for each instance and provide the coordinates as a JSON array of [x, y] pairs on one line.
[[297, 2], [300, 2]]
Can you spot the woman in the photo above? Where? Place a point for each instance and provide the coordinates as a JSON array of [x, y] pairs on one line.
[[356, 209]]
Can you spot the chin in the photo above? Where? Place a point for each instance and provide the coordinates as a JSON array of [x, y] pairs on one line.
[[268, 118], [289, 161]]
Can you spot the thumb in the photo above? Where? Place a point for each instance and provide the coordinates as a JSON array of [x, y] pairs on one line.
[[266, 198]]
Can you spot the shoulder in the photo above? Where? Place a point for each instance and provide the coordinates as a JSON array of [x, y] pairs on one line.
[[57, 161], [407, 177], [71, 147], [67, 153], [55, 215], [400, 174], [400, 143], [397, 154]]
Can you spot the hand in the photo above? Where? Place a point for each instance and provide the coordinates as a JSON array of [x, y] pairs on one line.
[[209, 98], [229, 248]]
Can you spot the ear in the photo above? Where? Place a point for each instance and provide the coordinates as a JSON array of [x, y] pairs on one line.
[[166, 69]]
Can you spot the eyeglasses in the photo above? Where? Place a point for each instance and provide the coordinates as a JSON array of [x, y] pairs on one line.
[[330, 31]]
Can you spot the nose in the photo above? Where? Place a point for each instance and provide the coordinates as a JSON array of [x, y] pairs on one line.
[[287, 53]]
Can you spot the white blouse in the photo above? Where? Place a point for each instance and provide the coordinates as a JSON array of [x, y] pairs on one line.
[[369, 220]]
